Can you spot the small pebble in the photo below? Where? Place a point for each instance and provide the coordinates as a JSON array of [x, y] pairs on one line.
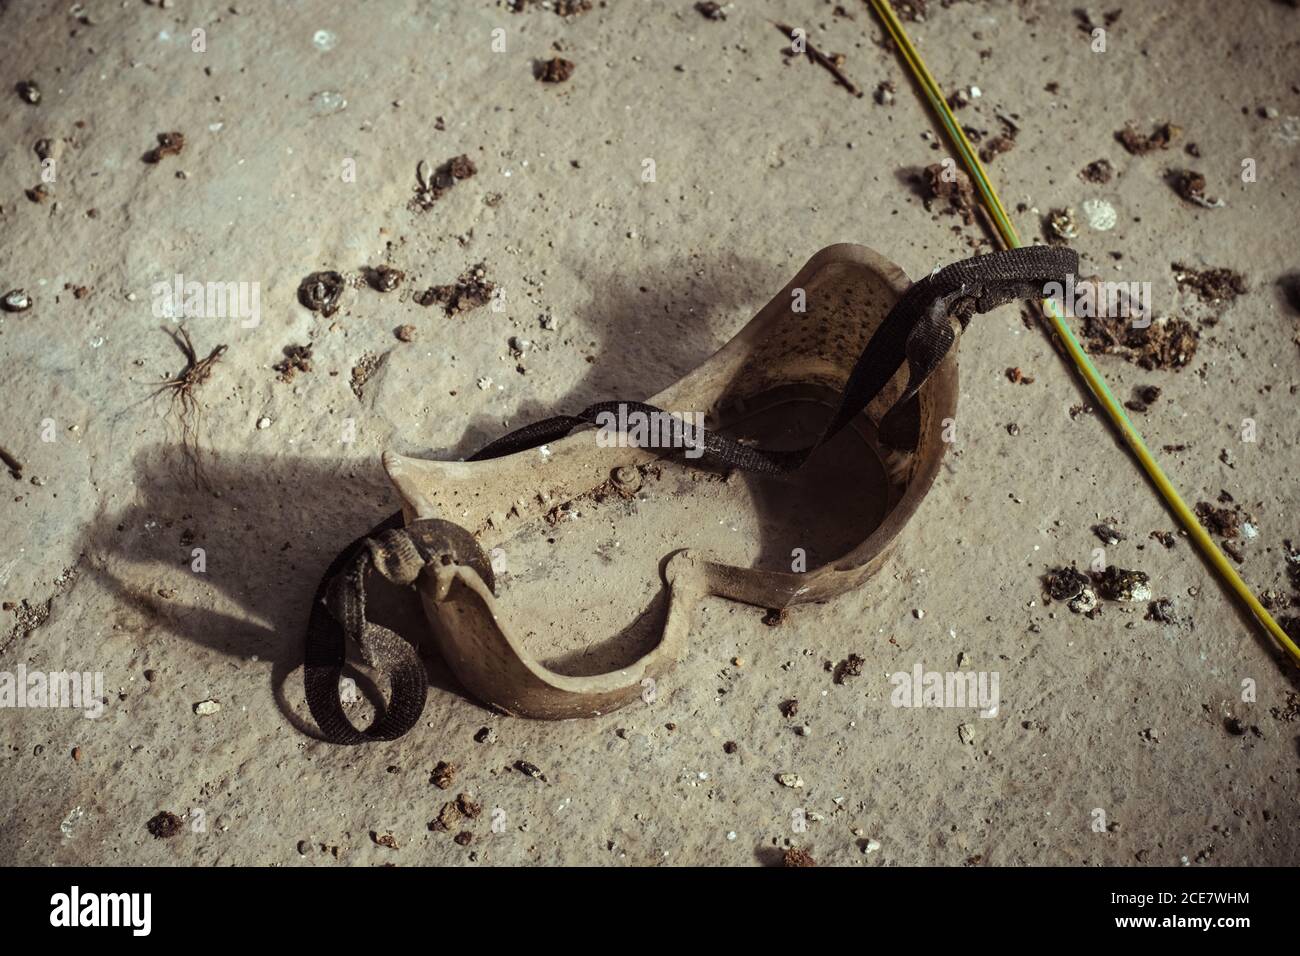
[[530, 770], [205, 708], [264, 422], [443, 775], [16, 300]]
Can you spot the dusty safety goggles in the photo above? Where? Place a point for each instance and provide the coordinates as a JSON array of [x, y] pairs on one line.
[[797, 455]]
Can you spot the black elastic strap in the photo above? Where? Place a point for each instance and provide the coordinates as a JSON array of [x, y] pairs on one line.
[[920, 329]]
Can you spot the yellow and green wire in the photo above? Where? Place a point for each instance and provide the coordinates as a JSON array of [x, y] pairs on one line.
[[1080, 358]]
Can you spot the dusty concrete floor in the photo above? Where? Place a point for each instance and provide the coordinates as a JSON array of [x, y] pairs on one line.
[[759, 163]]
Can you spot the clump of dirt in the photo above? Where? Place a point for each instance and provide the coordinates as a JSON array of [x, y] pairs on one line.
[[710, 10], [1273, 599], [1225, 522], [297, 358], [1118, 584], [446, 819], [951, 185], [169, 144], [1061, 226], [384, 278], [1099, 171], [556, 70], [443, 775], [1213, 286], [472, 290], [1190, 185], [1164, 344], [1167, 538], [1070, 585], [405, 333], [164, 825], [1161, 611], [1289, 711], [430, 187], [851, 666], [321, 292], [563, 8], [795, 856], [1003, 142], [1143, 398], [1108, 533], [366, 366], [1140, 145]]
